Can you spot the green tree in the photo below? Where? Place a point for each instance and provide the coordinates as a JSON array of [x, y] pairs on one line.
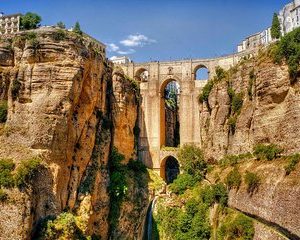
[[77, 28], [61, 25], [192, 160], [30, 21], [275, 29]]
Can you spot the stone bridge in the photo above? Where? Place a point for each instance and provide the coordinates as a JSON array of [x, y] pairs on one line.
[[152, 115]]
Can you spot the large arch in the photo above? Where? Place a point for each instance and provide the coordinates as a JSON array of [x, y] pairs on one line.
[[201, 72], [163, 113], [169, 169], [141, 75]]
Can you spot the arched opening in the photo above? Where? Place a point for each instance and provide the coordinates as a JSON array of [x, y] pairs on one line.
[[141, 75], [201, 73], [169, 128], [169, 169]]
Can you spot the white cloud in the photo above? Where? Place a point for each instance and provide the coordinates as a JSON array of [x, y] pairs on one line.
[[129, 51], [137, 40], [113, 58], [112, 47]]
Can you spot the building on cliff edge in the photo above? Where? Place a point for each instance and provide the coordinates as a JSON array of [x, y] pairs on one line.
[[9, 23], [289, 17]]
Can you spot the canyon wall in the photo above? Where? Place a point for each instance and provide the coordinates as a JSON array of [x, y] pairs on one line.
[[270, 112], [62, 108]]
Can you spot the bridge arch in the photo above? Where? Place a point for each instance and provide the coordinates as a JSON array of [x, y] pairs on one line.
[[201, 72], [169, 113], [169, 169], [141, 75]]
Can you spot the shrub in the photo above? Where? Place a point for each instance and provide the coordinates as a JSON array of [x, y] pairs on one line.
[[136, 166], [6, 176], [293, 161], [15, 89], [220, 73], [59, 35], [3, 111], [267, 152], [182, 183], [61, 25], [3, 195], [238, 227], [26, 171], [237, 103], [64, 226], [252, 181], [232, 123], [192, 160], [214, 194], [232, 160], [288, 48], [251, 82], [30, 36], [77, 29], [30, 21], [233, 179], [203, 97]]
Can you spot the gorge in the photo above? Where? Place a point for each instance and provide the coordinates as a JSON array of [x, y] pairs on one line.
[[84, 149]]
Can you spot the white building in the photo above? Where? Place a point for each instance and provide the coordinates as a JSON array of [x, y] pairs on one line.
[[9, 23], [289, 18], [255, 40], [120, 60]]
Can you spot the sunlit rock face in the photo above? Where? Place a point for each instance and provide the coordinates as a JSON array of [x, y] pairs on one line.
[[63, 107]]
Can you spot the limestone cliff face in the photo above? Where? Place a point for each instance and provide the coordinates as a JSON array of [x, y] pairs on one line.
[[270, 112], [59, 92]]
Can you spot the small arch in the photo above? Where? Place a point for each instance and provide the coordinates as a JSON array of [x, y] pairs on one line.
[[201, 72], [169, 169], [141, 75]]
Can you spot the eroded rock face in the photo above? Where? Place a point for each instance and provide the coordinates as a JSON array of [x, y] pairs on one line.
[[59, 96], [270, 112]]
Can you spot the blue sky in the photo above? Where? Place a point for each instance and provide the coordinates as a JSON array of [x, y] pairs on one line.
[[158, 29]]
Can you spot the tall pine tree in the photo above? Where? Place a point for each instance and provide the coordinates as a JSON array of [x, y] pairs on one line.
[[275, 29]]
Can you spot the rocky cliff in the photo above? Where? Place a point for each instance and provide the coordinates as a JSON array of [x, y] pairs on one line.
[[270, 109], [62, 109]]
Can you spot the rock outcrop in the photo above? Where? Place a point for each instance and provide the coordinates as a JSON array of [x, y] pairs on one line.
[[59, 90], [270, 112]]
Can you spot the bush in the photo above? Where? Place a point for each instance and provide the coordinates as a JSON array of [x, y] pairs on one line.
[[251, 82], [64, 226], [59, 35], [237, 103], [220, 73], [30, 21], [182, 183], [136, 166], [288, 49], [3, 111], [233, 179], [214, 194], [192, 161], [238, 227], [232, 160], [6, 176], [293, 161], [232, 123], [252, 181], [77, 29], [15, 89], [3, 195], [267, 152], [26, 171], [61, 25], [203, 97]]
